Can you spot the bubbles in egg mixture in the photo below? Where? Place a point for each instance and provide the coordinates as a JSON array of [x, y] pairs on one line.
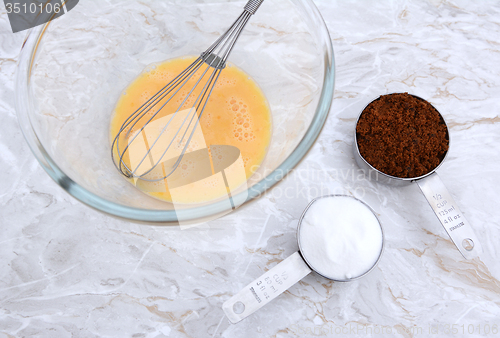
[[181, 96], [153, 73], [242, 120], [145, 96], [225, 81], [186, 167], [211, 182]]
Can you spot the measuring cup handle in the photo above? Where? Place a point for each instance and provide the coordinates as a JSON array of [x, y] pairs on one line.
[[267, 287], [449, 215]]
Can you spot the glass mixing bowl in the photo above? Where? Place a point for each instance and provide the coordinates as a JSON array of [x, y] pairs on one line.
[[72, 71]]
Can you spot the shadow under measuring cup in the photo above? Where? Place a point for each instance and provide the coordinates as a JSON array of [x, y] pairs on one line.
[[438, 197], [339, 237]]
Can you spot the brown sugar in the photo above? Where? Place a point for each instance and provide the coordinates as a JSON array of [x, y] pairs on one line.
[[402, 135]]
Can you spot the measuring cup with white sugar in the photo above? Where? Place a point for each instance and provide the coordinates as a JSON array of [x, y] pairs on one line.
[[438, 197], [339, 238]]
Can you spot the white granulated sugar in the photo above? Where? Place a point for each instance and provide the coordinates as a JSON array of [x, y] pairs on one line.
[[340, 237]]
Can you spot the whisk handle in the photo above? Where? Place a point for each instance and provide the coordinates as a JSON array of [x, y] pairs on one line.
[[253, 5]]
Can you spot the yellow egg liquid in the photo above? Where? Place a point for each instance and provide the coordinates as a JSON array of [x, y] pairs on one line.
[[237, 114]]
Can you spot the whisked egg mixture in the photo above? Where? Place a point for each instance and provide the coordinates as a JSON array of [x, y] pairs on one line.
[[237, 114]]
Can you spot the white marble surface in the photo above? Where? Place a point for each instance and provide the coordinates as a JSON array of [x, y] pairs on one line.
[[67, 270]]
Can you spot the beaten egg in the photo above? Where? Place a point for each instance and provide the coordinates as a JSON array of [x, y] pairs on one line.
[[237, 114]]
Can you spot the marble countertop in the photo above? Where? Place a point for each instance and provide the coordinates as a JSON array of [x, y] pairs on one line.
[[69, 271]]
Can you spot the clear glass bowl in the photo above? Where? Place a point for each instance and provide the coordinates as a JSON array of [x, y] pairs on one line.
[[73, 70]]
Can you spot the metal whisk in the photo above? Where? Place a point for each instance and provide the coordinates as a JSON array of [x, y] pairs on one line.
[[214, 58]]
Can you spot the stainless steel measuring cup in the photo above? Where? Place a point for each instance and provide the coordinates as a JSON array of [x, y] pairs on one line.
[[281, 277], [435, 192]]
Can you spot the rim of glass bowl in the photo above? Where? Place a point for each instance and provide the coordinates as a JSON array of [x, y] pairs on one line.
[[24, 105]]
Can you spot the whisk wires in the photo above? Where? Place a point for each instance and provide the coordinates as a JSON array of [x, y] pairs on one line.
[[209, 65]]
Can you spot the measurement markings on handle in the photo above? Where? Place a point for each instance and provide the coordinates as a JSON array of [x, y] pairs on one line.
[[448, 213], [267, 287]]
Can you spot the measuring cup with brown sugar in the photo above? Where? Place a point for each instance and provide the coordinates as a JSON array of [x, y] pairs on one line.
[[401, 138]]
